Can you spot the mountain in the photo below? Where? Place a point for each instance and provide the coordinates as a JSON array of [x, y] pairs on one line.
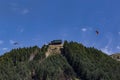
[[67, 61]]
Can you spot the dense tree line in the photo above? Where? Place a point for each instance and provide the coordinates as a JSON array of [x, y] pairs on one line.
[[76, 62], [15, 65], [90, 63]]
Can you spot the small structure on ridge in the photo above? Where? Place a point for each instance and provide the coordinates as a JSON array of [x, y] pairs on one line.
[[55, 42]]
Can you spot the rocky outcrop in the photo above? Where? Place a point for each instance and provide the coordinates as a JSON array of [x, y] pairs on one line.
[[116, 56], [54, 49]]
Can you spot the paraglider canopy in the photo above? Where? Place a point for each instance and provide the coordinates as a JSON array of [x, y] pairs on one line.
[[97, 32], [16, 43]]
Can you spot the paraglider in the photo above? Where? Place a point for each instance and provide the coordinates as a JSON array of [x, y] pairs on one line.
[[16, 43], [97, 32]]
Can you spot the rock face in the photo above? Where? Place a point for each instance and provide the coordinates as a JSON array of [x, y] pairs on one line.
[[116, 56], [33, 55], [54, 49]]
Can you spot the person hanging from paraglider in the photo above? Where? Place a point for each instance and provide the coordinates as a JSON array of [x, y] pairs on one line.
[[97, 32]]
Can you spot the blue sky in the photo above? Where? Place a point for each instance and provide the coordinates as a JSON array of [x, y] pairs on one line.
[[36, 22]]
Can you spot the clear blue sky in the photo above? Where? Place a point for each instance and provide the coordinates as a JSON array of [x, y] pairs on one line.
[[36, 22]]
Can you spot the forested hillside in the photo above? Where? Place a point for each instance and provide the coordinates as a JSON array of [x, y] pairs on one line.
[[76, 62], [90, 63]]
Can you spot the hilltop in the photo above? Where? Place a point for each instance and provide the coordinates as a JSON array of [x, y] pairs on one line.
[[116, 56], [63, 61]]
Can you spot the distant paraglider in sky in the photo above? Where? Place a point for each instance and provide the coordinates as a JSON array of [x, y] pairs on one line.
[[97, 32], [15, 43]]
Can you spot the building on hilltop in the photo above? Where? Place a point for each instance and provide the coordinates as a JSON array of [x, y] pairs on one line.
[[55, 42]]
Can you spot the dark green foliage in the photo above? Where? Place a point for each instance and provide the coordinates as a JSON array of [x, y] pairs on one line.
[[44, 48], [76, 62], [55, 67], [15, 65], [90, 63]]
